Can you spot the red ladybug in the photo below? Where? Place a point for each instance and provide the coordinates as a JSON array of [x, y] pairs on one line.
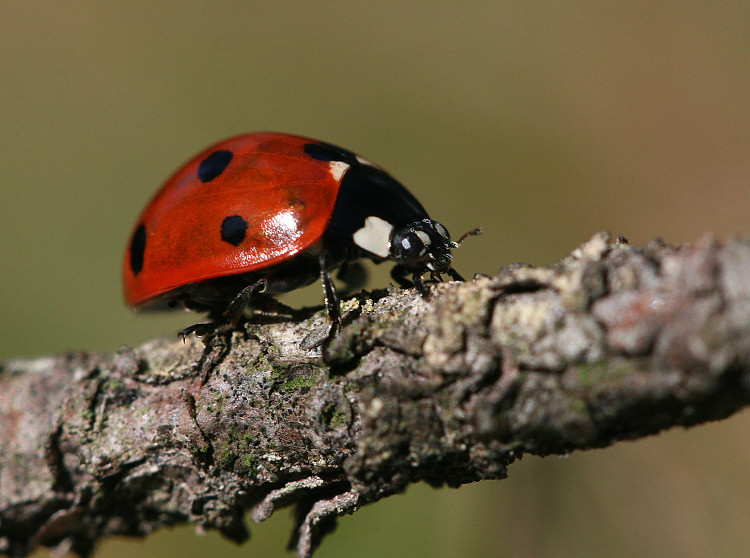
[[267, 213]]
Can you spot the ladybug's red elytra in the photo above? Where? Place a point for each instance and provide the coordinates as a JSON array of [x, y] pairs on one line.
[[266, 213]]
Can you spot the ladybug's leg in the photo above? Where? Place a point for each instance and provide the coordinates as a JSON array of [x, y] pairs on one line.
[[234, 311], [231, 316], [332, 301], [419, 283], [353, 274], [455, 275], [398, 274], [203, 329]]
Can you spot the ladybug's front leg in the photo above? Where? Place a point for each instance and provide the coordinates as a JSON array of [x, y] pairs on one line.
[[398, 274], [419, 283], [455, 275]]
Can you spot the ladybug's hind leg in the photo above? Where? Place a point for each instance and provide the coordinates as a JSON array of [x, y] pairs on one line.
[[233, 313], [230, 318], [205, 330], [211, 332]]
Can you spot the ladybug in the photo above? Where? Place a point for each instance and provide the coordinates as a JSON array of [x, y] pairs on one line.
[[266, 213]]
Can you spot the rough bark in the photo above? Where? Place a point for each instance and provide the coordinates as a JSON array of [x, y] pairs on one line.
[[614, 342]]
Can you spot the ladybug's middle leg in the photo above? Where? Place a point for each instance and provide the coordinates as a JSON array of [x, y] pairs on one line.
[[332, 300], [354, 275]]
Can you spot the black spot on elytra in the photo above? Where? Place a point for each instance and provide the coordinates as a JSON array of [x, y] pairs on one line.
[[327, 152], [137, 249], [233, 229], [213, 165]]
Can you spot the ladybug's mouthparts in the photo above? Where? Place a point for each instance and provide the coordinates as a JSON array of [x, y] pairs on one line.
[[439, 261]]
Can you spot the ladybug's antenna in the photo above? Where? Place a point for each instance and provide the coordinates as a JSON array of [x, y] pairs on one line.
[[472, 232]]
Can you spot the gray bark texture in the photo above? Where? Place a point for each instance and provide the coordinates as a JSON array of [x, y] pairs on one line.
[[614, 342]]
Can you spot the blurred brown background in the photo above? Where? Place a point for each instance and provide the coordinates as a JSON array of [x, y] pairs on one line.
[[541, 122]]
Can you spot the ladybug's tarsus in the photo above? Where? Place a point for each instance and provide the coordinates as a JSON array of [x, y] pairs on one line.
[[399, 272], [199, 329], [206, 330], [420, 285]]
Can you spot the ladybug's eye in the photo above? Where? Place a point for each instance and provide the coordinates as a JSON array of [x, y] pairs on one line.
[[412, 246], [409, 246]]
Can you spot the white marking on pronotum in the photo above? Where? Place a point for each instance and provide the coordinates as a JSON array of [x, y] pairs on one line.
[[337, 169], [375, 236], [424, 237]]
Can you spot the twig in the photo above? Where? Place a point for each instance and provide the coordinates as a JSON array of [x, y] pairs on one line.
[[614, 342]]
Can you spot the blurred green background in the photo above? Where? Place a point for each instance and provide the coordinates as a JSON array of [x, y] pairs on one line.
[[541, 122]]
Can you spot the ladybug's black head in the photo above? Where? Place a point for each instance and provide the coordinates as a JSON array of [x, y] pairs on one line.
[[422, 246]]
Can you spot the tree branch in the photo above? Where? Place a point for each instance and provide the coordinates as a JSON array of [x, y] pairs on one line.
[[614, 342]]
